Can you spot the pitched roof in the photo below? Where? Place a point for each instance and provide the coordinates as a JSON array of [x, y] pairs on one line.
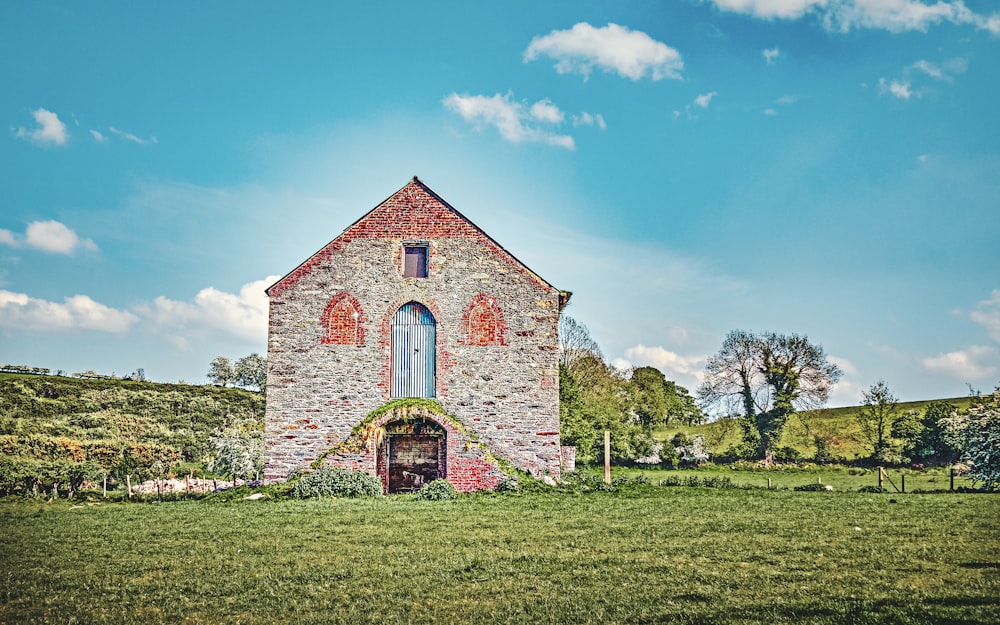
[[413, 212]]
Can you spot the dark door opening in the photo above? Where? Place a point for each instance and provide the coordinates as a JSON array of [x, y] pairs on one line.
[[414, 453]]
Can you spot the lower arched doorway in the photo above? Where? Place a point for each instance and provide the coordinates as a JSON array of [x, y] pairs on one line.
[[412, 453]]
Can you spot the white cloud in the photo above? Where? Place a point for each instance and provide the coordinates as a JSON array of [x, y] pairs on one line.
[[587, 119], [546, 111], [771, 54], [701, 101], [665, 360], [704, 99], [243, 314], [513, 120], [896, 88], [770, 112], [53, 236], [973, 363], [49, 129], [846, 15], [79, 312], [770, 9], [847, 390], [612, 48], [128, 136], [98, 137], [987, 314], [48, 236]]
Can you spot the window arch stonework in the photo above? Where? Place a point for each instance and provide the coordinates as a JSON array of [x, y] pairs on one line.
[[483, 322], [343, 321]]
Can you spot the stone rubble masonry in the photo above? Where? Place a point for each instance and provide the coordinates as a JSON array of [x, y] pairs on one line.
[[329, 343]]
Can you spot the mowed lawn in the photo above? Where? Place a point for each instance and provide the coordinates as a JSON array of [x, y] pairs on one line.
[[640, 555]]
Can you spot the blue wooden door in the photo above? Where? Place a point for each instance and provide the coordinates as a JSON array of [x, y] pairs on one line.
[[414, 343]]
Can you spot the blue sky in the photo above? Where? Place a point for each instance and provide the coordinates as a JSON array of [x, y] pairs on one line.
[[821, 167]]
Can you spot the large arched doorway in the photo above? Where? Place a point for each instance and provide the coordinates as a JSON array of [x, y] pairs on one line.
[[413, 453], [414, 343]]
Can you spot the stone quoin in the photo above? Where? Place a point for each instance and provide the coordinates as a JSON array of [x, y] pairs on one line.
[[415, 347]]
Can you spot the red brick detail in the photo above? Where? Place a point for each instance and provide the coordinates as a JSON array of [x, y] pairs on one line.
[[343, 321], [413, 213], [483, 322]]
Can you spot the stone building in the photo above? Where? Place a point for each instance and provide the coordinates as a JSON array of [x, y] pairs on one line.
[[415, 347]]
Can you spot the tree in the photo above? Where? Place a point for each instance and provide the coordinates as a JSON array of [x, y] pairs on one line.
[[221, 371], [925, 438], [575, 342], [980, 436], [765, 378], [237, 451], [600, 404], [251, 372], [877, 418], [658, 401]]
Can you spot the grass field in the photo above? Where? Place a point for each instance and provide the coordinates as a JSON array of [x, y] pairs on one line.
[[789, 476], [639, 555]]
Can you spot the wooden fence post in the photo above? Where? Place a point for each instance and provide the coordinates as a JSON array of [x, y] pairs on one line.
[[902, 483], [952, 480], [607, 457], [880, 470]]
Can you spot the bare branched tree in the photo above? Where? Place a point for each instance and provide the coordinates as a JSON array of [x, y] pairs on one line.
[[767, 377]]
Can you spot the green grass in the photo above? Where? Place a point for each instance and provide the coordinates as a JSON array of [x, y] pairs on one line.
[[789, 476], [640, 555]]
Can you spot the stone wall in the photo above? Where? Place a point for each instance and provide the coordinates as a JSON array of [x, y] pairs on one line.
[[329, 344]]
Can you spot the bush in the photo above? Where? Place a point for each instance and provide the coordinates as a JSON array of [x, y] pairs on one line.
[[872, 489], [331, 481], [787, 454], [437, 490], [812, 487]]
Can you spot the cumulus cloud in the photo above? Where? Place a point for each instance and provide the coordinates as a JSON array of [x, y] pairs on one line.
[[973, 363], [515, 121], [243, 314], [48, 130], [987, 314], [771, 54], [49, 236], [79, 312], [846, 15], [685, 370], [545, 111], [629, 53]]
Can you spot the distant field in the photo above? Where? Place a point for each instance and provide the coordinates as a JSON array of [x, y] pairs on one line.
[[839, 477], [641, 555], [839, 425]]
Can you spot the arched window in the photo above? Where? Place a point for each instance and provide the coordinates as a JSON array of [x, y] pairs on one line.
[[414, 347], [483, 322], [343, 321]]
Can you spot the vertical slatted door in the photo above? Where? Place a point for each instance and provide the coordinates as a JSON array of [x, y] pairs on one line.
[[414, 343]]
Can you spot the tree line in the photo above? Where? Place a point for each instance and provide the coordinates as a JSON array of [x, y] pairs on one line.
[[595, 396]]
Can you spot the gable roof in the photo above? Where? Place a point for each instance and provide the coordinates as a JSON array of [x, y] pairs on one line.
[[413, 212]]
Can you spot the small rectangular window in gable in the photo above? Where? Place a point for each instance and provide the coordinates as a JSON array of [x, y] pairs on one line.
[[414, 261]]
